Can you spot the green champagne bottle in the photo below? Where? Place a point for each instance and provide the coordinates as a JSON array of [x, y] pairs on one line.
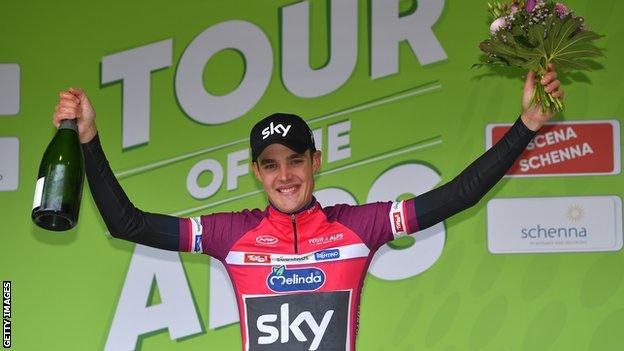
[[59, 184]]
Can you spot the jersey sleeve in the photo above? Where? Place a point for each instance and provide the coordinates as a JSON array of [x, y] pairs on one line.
[[215, 234], [377, 223], [122, 218], [211, 234]]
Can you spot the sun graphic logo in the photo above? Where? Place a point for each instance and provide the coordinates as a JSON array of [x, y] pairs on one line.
[[575, 213]]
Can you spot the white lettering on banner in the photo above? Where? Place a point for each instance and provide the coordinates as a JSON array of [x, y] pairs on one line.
[[9, 164], [222, 308], [237, 166], [198, 191], [555, 156], [297, 75], [552, 138], [176, 312], [10, 77], [338, 141], [389, 29], [242, 36], [133, 68]]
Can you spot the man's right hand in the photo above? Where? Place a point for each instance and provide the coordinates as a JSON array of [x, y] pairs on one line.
[[74, 103]]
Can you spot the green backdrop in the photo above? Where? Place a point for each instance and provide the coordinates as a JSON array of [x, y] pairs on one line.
[[66, 285]]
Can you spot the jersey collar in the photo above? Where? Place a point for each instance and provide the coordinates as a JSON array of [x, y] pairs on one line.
[[305, 211]]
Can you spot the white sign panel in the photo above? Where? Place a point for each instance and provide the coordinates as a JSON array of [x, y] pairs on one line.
[[9, 163], [554, 224], [9, 88]]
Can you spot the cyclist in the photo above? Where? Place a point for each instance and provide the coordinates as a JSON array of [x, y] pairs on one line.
[[297, 268]]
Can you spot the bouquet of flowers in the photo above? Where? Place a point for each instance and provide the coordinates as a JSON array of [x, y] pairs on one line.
[[530, 34]]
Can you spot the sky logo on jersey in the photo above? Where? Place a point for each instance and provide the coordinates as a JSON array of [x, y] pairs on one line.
[[284, 280], [317, 321], [327, 255]]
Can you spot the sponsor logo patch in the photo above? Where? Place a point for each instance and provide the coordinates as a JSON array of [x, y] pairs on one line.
[[307, 321], [292, 259], [257, 258], [284, 280], [397, 219], [266, 240], [273, 129], [326, 239], [197, 230], [327, 255]]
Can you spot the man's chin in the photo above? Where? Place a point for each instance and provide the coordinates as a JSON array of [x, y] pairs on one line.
[[287, 208]]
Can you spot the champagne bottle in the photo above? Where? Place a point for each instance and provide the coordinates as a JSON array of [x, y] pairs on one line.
[[59, 184]]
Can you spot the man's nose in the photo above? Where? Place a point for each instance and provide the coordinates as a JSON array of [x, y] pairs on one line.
[[284, 172]]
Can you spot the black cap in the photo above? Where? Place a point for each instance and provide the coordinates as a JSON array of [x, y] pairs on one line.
[[281, 128]]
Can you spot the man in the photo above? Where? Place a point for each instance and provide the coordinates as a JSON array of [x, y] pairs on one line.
[[297, 268]]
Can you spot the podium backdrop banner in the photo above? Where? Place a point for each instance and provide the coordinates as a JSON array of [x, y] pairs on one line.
[[388, 89]]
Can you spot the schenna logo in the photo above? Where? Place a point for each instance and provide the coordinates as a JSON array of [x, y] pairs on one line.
[[283, 279]]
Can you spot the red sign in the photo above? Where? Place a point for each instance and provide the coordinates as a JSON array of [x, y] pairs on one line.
[[257, 258], [567, 148]]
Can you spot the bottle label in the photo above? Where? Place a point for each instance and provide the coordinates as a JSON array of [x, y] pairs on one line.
[[38, 192]]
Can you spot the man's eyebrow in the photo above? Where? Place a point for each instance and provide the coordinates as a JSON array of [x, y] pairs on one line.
[[267, 160], [295, 155]]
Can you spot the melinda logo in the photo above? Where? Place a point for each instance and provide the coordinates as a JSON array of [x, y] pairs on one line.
[[555, 224], [266, 240], [283, 279]]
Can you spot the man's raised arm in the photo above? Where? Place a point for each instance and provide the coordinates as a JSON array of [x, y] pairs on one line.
[[479, 177]]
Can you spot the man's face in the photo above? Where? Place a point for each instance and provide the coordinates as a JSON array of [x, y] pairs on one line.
[[287, 176]]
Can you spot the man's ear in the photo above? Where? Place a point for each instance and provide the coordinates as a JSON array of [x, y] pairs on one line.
[[316, 161], [256, 170]]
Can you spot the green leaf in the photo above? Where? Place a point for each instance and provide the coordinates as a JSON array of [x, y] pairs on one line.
[[561, 33], [565, 64], [580, 42]]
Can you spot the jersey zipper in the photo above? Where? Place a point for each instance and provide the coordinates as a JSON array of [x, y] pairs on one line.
[[292, 216]]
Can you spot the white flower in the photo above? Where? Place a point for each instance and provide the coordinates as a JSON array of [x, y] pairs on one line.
[[498, 24]]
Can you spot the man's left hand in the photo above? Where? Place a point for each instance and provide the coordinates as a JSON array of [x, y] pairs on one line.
[[532, 115]]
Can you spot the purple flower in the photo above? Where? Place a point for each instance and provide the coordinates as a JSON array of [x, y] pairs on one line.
[[530, 5], [513, 8], [562, 10]]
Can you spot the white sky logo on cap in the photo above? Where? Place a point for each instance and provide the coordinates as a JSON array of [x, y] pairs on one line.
[[272, 129]]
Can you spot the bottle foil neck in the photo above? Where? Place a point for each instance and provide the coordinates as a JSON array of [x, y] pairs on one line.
[[69, 124]]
